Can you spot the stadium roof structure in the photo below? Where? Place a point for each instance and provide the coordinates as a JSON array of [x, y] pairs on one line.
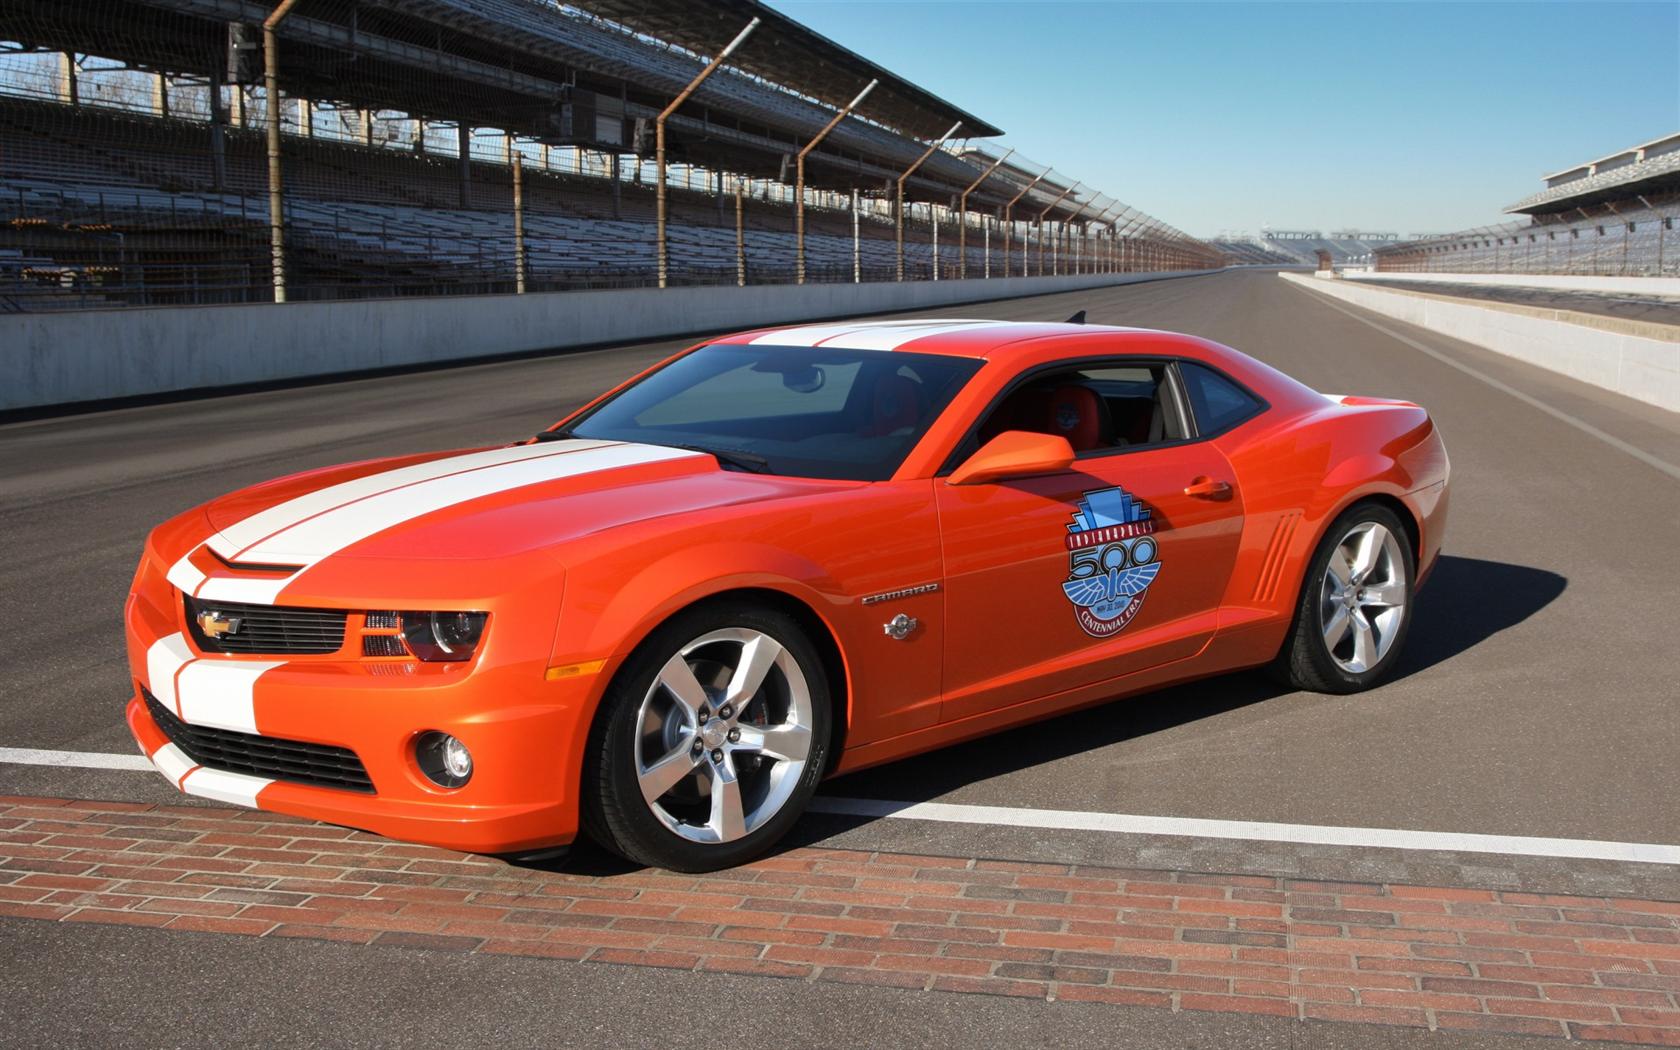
[[785, 52], [539, 68], [1649, 168]]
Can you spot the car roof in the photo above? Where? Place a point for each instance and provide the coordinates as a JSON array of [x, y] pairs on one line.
[[955, 337]]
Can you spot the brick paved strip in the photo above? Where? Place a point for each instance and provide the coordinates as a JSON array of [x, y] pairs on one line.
[[1422, 956]]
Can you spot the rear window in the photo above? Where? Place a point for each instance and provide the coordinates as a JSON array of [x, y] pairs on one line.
[[1217, 402], [804, 411]]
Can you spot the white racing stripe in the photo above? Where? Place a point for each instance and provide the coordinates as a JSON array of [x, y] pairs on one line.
[[867, 335], [235, 538], [164, 659], [812, 334], [1254, 831], [173, 763], [185, 576], [899, 335], [236, 789], [308, 529], [312, 539], [219, 693]]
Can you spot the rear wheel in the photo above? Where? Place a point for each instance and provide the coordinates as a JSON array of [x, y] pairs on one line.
[[711, 741], [1355, 605]]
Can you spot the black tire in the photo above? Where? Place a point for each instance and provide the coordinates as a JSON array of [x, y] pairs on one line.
[[614, 811], [1305, 661]]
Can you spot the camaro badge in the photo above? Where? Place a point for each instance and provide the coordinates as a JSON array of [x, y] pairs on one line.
[[1111, 555]]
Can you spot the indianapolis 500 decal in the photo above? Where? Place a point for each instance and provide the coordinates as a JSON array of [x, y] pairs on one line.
[[1111, 560]]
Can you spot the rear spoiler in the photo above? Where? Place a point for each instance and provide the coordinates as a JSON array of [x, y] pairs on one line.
[[1359, 401]]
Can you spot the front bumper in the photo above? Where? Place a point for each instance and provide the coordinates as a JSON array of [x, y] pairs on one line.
[[525, 733]]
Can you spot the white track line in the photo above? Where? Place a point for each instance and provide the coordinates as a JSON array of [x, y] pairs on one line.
[[1556, 413], [1250, 831], [32, 756], [1109, 823]]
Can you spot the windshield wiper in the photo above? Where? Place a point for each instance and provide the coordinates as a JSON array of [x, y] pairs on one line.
[[554, 435], [747, 461]]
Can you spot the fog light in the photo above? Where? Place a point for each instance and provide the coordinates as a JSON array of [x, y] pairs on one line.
[[444, 759]]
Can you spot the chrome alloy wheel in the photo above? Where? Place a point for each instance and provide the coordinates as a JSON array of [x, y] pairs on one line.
[[1362, 602], [723, 735]]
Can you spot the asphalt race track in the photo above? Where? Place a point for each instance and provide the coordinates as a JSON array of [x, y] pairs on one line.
[[1537, 696]]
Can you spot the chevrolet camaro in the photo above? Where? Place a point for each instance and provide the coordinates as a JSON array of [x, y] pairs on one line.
[[774, 557]]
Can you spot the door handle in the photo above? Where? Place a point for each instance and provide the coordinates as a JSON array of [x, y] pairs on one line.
[[1204, 487]]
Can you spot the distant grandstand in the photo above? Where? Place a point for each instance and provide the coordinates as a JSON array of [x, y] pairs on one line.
[[1240, 251], [463, 146], [1301, 247], [1609, 217]]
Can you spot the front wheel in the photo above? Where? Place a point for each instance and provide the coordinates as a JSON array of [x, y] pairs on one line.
[[1355, 605], [711, 740]]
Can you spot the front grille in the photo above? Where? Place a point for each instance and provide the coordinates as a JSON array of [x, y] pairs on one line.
[[263, 756], [268, 628]]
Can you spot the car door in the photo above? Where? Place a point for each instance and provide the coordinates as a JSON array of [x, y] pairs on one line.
[[1111, 567]]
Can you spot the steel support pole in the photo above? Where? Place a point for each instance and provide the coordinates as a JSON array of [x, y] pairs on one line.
[[518, 218], [1009, 222], [276, 201], [986, 228], [1070, 231], [898, 211], [799, 180], [659, 142], [463, 163], [1661, 222], [933, 217], [962, 208], [740, 234], [857, 243], [1040, 220]]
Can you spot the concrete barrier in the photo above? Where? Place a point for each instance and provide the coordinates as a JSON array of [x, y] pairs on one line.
[[1667, 287], [1638, 359], [50, 359]]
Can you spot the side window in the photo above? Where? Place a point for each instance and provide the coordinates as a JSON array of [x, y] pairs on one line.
[[1216, 401], [1098, 408]]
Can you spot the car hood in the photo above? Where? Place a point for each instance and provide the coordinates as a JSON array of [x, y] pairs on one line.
[[475, 504]]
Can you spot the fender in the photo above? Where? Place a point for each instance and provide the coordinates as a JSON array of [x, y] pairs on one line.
[[615, 622]]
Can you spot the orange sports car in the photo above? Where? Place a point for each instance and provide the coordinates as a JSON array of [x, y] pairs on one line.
[[774, 557]]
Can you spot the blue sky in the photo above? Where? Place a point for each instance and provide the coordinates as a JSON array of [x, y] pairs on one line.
[[1410, 117]]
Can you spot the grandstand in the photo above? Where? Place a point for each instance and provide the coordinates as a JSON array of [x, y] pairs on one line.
[[463, 146], [1345, 247], [1609, 217], [1242, 251]]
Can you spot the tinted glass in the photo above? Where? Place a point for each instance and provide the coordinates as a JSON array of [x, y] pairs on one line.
[[1217, 402], [802, 411]]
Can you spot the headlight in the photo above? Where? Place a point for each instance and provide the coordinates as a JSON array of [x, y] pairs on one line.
[[442, 636]]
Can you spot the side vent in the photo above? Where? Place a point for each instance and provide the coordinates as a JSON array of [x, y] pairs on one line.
[[1271, 569]]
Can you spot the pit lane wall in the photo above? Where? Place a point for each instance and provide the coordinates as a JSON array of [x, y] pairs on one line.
[[54, 359], [1638, 359], [1664, 286]]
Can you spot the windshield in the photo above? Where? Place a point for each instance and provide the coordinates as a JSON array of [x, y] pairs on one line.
[[800, 411]]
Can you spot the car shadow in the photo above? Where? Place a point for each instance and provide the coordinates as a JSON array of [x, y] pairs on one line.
[[1465, 602]]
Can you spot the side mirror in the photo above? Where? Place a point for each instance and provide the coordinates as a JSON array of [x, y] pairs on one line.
[[1014, 454]]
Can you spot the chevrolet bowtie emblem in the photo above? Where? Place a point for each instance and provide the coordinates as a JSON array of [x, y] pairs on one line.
[[215, 624]]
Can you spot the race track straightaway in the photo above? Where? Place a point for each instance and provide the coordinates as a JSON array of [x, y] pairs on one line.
[[1535, 699]]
